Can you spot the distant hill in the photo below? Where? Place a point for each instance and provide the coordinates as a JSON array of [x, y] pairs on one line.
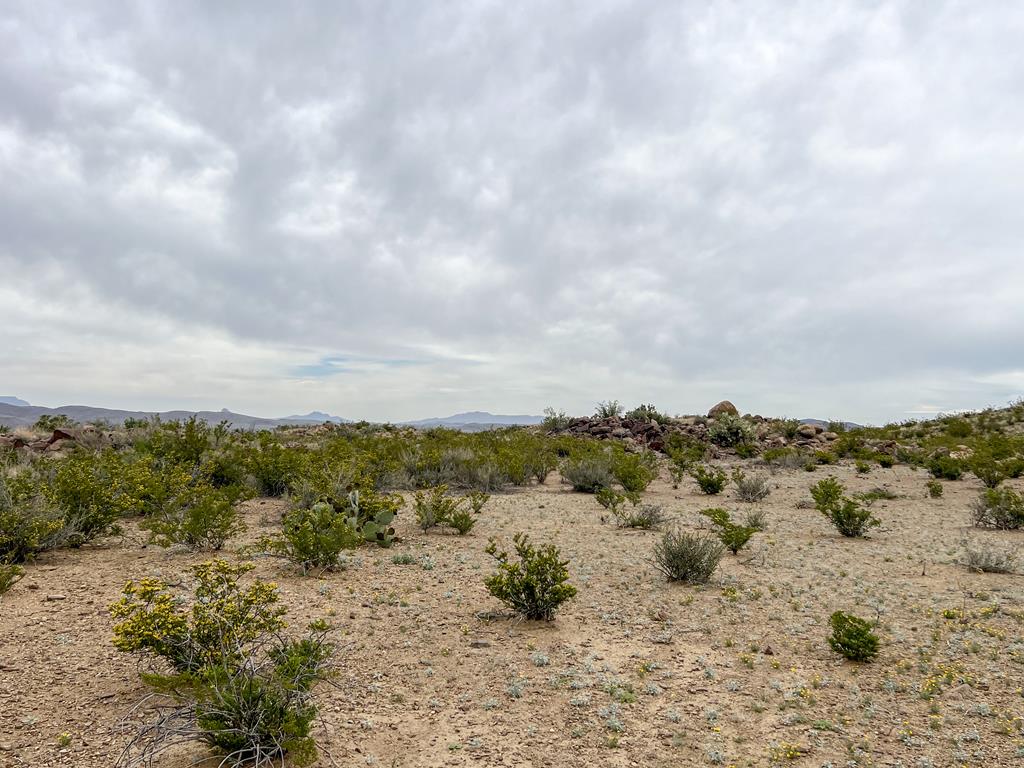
[[27, 415], [314, 417], [9, 400], [474, 421]]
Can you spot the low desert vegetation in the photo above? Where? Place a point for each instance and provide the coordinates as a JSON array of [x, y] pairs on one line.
[[225, 671], [688, 557], [535, 585], [222, 670], [852, 637]]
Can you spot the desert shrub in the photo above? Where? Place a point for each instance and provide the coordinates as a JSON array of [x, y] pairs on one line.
[[643, 516], [782, 458], [610, 499], [608, 409], [944, 467], [237, 683], [934, 488], [438, 508], [647, 413], [313, 538], [885, 460], [10, 574], [477, 499], [959, 428], [536, 585], [198, 516], [91, 492], [747, 450], [589, 473], [27, 524], [687, 557], [750, 488], [273, 467], [825, 457], [727, 430], [877, 494], [852, 637], [987, 469], [862, 467], [51, 421], [848, 515], [554, 421], [733, 537], [984, 558], [1000, 508], [633, 471], [756, 519], [710, 480]]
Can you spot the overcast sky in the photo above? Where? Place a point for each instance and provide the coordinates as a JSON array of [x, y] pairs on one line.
[[392, 210]]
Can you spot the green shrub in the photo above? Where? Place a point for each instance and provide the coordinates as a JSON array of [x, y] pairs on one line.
[[477, 499], [886, 461], [588, 474], [610, 499], [825, 457], [273, 467], [747, 450], [92, 491], [750, 488], [733, 537], [608, 409], [199, 517], [10, 574], [852, 637], [687, 557], [51, 421], [710, 480], [848, 515], [314, 538], [27, 524], [999, 508], [987, 469], [862, 467], [727, 430], [944, 467], [554, 421], [438, 508], [536, 585], [959, 428], [647, 413], [934, 488], [238, 684], [633, 471]]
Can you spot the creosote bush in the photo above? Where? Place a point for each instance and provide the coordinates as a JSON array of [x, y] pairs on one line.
[[534, 586], [313, 538], [687, 557], [222, 671], [710, 480], [934, 488], [438, 508], [945, 467], [849, 516], [750, 488], [733, 537], [643, 516], [10, 574], [999, 508], [852, 637], [197, 516]]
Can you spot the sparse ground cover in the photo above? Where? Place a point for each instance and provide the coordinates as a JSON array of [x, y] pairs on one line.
[[431, 669]]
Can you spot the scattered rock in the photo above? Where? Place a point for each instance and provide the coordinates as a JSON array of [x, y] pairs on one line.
[[51, 598], [806, 431], [479, 642]]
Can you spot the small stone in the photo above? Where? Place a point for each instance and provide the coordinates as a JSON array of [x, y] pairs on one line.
[[479, 642], [56, 597]]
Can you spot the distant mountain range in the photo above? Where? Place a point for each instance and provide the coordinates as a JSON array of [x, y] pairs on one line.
[[15, 412]]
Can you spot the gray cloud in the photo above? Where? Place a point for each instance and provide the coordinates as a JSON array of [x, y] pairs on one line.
[[510, 205]]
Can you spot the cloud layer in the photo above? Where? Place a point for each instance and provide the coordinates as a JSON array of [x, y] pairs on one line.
[[393, 210]]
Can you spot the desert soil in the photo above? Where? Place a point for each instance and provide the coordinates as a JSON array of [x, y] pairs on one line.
[[635, 671]]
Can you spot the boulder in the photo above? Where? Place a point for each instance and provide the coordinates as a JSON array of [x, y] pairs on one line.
[[723, 407], [830, 436], [806, 431]]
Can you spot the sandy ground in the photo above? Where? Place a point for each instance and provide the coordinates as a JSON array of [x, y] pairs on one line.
[[633, 672]]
